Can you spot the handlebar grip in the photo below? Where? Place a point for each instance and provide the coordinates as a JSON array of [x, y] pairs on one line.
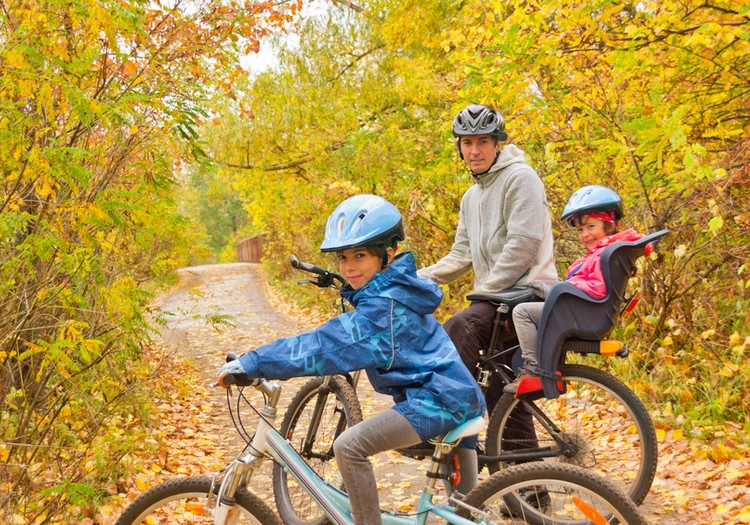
[[229, 380], [296, 263]]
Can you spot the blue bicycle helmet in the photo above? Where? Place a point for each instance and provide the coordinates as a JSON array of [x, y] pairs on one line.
[[363, 220], [592, 199]]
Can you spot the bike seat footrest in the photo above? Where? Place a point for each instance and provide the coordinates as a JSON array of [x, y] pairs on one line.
[[608, 348], [533, 384]]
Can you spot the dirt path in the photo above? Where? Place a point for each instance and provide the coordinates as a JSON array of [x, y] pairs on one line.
[[205, 440]]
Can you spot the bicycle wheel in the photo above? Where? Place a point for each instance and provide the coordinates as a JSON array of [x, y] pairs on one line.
[[602, 423], [183, 501], [544, 493], [340, 410]]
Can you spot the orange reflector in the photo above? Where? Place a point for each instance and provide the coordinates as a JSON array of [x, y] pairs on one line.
[[590, 512], [609, 348], [456, 481], [199, 509]]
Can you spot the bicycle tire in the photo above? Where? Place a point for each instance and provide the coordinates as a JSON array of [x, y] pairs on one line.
[[566, 495], [182, 501], [605, 423], [294, 504]]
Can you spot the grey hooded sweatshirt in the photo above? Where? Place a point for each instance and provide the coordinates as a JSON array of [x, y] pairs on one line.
[[504, 231]]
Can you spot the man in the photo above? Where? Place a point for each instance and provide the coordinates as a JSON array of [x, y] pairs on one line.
[[504, 229]]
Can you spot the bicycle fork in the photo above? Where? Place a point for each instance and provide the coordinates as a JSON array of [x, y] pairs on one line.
[[222, 505]]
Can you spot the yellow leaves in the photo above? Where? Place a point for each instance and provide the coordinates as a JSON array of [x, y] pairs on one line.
[[729, 369], [15, 59], [129, 68], [715, 225], [142, 482], [719, 453]]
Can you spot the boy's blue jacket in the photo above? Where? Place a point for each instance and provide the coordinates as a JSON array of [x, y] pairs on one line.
[[394, 337]]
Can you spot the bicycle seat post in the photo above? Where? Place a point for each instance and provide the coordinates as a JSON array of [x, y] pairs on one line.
[[501, 311], [433, 474]]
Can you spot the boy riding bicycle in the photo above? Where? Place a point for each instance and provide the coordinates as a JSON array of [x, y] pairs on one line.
[[393, 336]]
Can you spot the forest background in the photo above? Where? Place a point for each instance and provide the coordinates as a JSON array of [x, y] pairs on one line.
[[132, 143]]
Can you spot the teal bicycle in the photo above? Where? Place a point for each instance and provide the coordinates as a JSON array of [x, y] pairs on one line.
[[537, 493]]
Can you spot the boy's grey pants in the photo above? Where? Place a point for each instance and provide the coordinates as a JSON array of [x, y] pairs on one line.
[[384, 431]]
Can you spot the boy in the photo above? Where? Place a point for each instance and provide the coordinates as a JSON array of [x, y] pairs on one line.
[[393, 336]]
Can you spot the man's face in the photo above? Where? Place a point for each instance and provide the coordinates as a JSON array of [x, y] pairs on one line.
[[479, 151]]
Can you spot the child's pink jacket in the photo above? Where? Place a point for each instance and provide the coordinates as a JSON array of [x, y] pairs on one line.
[[586, 272]]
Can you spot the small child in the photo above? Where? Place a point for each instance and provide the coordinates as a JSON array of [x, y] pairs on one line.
[[393, 336], [595, 212]]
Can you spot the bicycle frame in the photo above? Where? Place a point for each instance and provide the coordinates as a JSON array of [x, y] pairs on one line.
[[312, 431], [267, 441]]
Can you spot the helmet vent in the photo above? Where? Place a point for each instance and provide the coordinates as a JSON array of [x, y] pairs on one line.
[[362, 220], [357, 221]]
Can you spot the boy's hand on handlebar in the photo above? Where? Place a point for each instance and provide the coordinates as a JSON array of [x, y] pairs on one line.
[[232, 373]]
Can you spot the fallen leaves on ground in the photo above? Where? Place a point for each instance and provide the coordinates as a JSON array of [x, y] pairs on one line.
[[695, 483]]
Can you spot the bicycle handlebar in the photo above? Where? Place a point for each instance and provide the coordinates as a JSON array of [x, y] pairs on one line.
[[296, 263], [325, 278]]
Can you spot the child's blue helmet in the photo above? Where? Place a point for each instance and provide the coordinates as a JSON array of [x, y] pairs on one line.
[[591, 199], [363, 220]]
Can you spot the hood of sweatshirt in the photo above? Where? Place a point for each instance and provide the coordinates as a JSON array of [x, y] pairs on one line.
[[510, 154], [628, 235], [400, 283]]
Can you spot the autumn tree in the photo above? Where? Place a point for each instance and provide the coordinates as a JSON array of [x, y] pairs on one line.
[[100, 103], [649, 98]]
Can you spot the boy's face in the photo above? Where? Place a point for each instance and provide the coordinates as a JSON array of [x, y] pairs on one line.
[[358, 266], [590, 231], [479, 151]]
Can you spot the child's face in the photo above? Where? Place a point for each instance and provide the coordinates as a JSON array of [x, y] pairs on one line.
[[590, 231], [358, 266]]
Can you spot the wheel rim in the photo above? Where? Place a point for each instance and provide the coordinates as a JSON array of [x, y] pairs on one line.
[[598, 424]]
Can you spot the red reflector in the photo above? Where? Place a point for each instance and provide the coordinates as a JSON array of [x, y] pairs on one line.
[[632, 304]]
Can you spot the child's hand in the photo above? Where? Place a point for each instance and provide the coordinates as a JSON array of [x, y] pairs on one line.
[[232, 373]]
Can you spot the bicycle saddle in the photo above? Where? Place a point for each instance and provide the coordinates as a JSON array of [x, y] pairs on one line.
[[511, 297], [471, 428]]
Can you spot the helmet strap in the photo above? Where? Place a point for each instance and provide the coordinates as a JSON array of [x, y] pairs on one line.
[[485, 172]]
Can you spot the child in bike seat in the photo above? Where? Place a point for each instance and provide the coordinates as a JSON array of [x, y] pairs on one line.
[[392, 335], [595, 212]]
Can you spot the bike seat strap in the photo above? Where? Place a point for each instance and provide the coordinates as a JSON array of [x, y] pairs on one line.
[[511, 296]]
